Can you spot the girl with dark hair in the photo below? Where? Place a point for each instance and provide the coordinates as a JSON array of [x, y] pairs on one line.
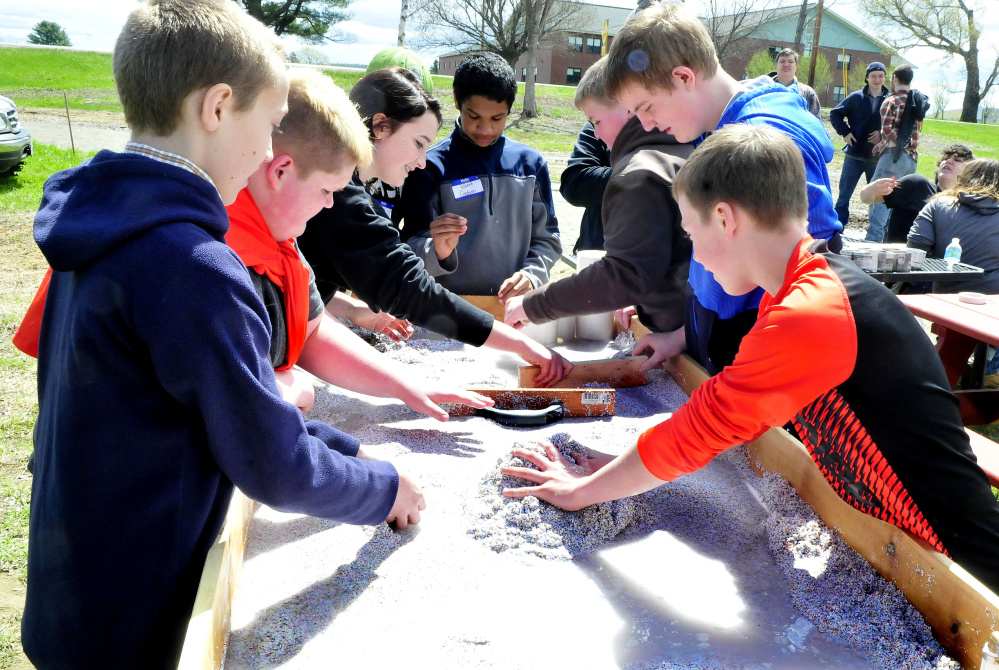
[[354, 246]]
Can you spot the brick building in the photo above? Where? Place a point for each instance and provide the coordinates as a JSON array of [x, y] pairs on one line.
[[565, 56], [843, 44]]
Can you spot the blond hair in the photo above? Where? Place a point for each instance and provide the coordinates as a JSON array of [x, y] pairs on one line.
[[169, 49], [753, 166], [591, 86], [654, 42], [977, 177], [322, 128]]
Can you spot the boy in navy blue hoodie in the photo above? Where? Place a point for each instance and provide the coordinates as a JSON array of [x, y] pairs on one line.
[[155, 391], [480, 214]]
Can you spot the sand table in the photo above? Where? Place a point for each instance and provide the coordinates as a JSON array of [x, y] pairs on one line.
[[681, 577]]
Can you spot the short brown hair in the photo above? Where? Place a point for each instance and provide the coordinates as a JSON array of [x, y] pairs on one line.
[[652, 43], [956, 149], [322, 128], [787, 51], [170, 48], [591, 86], [753, 166], [903, 73]]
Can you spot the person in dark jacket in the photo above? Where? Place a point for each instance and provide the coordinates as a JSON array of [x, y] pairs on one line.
[[648, 254], [858, 119], [583, 184], [155, 393], [354, 246]]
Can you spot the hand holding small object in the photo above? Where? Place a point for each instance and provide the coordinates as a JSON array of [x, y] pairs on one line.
[[445, 231]]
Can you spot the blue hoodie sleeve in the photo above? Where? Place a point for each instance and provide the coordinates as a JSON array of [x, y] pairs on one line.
[[209, 351]]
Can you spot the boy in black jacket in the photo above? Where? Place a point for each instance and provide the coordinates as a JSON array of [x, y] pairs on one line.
[[583, 184], [858, 119]]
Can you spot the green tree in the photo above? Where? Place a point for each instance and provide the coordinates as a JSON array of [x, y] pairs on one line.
[[823, 73], [310, 56], [760, 64], [312, 21], [949, 26], [436, 67], [52, 34]]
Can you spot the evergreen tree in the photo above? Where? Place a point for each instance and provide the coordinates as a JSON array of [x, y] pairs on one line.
[[49, 33]]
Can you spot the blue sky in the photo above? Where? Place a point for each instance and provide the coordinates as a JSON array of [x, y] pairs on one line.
[[94, 25]]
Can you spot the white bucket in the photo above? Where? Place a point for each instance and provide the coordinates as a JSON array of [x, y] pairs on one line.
[[543, 333], [567, 328], [593, 326]]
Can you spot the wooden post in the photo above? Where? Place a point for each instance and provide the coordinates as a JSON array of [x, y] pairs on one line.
[[815, 45], [72, 144]]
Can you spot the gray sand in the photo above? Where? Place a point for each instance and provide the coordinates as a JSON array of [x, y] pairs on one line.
[[681, 577]]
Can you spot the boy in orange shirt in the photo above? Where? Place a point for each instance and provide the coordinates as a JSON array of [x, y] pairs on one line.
[[902, 457]]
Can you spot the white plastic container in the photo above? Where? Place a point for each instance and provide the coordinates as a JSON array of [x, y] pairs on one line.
[[567, 328], [593, 326], [543, 333]]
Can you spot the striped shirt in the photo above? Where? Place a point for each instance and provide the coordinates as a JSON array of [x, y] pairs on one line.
[[166, 157]]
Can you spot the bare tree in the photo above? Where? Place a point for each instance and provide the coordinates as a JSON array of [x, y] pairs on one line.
[[729, 22], [989, 110], [499, 26], [946, 25], [940, 93]]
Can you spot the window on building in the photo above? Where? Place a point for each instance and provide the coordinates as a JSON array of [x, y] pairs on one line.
[[838, 93], [523, 74], [593, 45], [573, 75], [576, 44], [843, 61], [773, 51]]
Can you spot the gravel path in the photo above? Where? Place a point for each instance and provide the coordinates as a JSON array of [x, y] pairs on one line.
[[682, 577]]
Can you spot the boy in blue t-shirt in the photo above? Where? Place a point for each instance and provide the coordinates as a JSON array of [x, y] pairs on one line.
[[663, 66], [480, 214]]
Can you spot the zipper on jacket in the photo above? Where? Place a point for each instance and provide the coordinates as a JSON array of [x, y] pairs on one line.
[[490, 195]]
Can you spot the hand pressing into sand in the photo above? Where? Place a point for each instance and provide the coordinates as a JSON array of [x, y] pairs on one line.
[[427, 400], [408, 504], [445, 231], [660, 347], [386, 324], [516, 284]]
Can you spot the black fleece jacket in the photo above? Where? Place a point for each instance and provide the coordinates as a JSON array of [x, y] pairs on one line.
[[354, 246]]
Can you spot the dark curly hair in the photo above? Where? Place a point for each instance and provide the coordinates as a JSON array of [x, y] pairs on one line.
[[397, 93], [485, 74]]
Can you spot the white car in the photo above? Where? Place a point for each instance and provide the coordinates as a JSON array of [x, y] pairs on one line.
[[15, 141]]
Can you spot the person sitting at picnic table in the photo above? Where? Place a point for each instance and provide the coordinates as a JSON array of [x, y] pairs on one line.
[[969, 211], [905, 197], [902, 457]]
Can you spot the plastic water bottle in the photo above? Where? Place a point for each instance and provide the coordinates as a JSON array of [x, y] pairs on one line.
[[952, 254], [990, 655]]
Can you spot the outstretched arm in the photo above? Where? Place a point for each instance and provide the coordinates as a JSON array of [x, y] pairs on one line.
[[336, 355]]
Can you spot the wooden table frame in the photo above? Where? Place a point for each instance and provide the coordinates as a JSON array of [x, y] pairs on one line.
[[960, 327]]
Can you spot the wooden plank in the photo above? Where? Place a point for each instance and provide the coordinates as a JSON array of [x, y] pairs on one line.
[[577, 402], [978, 321], [987, 453], [208, 631], [488, 303], [615, 372], [961, 610]]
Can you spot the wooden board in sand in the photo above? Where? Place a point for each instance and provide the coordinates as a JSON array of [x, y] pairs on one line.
[[577, 403], [616, 372]]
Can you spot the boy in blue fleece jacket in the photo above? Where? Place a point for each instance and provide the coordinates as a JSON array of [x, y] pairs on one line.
[[480, 214], [155, 391], [662, 65]]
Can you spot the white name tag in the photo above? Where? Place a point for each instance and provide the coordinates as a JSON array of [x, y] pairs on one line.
[[467, 187]]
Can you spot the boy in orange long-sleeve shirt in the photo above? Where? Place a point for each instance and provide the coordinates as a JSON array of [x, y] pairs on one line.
[[828, 341]]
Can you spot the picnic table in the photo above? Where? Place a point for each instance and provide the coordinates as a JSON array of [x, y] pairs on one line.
[[964, 328], [933, 270]]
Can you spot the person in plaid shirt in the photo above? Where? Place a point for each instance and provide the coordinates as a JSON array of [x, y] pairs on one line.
[[901, 120]]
